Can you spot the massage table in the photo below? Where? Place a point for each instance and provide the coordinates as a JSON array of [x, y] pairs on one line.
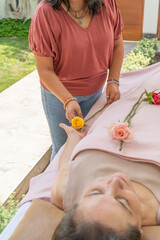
[[36, 218]]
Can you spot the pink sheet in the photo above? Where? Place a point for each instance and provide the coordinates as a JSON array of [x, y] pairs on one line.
[[146, 143]]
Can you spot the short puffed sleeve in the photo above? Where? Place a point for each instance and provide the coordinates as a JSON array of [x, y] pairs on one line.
[[116, 18], [118, 26], [43, 32]]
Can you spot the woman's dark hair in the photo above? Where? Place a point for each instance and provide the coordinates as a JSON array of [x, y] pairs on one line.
[[70, 229], [93, 5]]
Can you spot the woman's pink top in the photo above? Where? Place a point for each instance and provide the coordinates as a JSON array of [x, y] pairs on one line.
[[81, 56]]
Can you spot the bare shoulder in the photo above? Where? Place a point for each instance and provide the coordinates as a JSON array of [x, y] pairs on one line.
[[59, 186]]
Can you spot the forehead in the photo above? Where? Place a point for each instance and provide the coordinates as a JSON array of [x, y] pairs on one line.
[[105, 211], [100, 202]]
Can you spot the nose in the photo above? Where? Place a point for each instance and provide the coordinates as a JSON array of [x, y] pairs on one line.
[[115, 185]]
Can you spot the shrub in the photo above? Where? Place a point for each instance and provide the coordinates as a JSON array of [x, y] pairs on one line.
[[141, 56], [134, 61], [148, 47], [14, 27], [6, 214]]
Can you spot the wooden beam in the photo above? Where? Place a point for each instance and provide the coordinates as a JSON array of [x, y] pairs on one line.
[[37, 169]]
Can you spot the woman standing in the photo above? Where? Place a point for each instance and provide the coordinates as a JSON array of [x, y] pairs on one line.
[[75, 43]]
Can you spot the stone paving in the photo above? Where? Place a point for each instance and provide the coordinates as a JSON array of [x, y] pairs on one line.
[[24, 134], [128, 46]]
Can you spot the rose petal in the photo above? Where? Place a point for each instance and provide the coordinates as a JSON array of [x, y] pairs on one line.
[[120, 131]]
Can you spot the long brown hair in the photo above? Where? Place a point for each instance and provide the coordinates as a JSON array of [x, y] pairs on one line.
[[93, 5], [72, 229]]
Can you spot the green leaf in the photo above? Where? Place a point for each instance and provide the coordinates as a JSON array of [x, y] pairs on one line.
[[147, 94]]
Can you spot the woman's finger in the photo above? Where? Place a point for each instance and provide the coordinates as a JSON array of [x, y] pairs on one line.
[[72, 109], [65, 127], [111, 98], [84, 130], [117, 97], [62, 125], [70, 116], [78, 111]]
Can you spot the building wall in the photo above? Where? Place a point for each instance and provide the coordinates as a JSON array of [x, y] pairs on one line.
[[150, 20]]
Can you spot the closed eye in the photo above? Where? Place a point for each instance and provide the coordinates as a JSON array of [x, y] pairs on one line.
[[124, 206], [94, 192], [99, 192]]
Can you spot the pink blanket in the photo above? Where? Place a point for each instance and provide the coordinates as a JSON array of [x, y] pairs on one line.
[[146, 143]]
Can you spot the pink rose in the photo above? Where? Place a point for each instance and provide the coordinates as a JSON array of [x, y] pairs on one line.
[[156, 97], [121, 131]]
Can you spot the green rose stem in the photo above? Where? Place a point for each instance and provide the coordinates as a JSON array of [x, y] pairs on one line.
[[133, 112], [121, 145], [133, 107], [96, 112], [128, 116]]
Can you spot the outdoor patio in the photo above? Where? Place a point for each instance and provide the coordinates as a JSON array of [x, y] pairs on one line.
[[25, 139]]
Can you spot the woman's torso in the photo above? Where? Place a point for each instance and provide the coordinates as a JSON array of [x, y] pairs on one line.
[[91, 165], [81, 56]]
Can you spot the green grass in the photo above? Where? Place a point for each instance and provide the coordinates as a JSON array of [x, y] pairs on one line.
[[16, 61]]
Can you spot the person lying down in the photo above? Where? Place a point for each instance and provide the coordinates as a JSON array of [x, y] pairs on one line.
[[106, 193], [104, 196]]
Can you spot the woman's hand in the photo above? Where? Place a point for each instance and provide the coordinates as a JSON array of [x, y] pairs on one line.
[[73, 108], [74, 135], [112, 93]]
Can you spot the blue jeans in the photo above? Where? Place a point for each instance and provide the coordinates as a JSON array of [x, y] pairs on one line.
[[55, 114]]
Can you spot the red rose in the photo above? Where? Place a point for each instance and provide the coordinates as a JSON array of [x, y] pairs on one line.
[[156, 97]]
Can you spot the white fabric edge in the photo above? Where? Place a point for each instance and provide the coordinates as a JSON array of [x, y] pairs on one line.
[[7, 232]]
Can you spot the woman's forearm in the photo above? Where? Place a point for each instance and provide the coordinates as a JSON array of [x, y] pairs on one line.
[[54, 85], [45, 68], [63, 168], [117, 60], [68, 149], [73, 138], [59, 185], [49, 78]]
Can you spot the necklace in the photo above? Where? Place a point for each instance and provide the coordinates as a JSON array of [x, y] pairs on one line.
[[77, 15]]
